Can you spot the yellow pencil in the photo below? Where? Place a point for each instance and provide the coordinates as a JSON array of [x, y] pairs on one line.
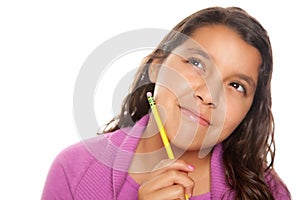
[[160, 126], [161, 129]]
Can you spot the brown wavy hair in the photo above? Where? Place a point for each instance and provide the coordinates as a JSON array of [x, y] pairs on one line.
[[249, 151]]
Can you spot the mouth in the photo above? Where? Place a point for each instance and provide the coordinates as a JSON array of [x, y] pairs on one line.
[[195, 117]]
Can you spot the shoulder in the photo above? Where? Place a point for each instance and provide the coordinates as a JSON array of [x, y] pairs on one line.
[[65, 172], [72, 166], [276, 185], [76, 159], [78, 168]]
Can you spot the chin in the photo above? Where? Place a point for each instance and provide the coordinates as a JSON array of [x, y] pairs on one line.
[[184, 146]]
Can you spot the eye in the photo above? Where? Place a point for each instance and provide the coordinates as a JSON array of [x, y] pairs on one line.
[[197, 63], [239, 87]]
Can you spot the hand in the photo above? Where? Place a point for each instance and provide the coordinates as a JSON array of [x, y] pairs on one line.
[[168, 180]]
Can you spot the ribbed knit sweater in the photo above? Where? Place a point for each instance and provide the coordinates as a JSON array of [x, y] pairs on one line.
[[96, 169]]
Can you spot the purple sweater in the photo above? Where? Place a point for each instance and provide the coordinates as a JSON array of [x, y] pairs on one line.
[[96, 169]]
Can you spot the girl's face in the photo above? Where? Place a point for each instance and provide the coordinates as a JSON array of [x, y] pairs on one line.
[[204, 91]]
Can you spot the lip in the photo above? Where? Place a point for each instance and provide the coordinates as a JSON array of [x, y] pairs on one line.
[[195, 117]]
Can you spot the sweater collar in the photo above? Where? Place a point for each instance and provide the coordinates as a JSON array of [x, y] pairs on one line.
[[125, 152]]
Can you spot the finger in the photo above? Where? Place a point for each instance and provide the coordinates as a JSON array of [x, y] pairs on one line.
[[173, 192], [169, 178], [168, 164], [167, 193]]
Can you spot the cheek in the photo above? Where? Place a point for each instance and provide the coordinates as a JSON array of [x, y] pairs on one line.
[[235, 113], [166, 104]]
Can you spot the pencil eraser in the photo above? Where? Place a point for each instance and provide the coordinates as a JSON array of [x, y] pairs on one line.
[[149, 94]]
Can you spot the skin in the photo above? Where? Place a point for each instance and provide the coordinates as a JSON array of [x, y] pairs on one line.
[[234, 60]]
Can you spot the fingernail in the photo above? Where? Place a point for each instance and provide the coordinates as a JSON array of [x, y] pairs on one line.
[[191, 167]]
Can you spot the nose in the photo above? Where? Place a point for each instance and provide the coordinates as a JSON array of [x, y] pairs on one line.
[[205, 101], [204, 96], [208, 92]]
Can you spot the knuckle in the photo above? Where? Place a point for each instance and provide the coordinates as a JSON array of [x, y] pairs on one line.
[[181, 162], [173, 173], [177, 189], [192, 183]]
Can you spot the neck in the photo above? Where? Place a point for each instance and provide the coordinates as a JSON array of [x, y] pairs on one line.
[[192, 157], [201, 173], [150, 151]]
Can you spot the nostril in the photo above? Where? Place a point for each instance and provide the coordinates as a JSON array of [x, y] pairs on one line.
[[200, 98], [210, 104]]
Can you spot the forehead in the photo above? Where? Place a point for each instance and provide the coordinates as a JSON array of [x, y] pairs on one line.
[[228, 50]]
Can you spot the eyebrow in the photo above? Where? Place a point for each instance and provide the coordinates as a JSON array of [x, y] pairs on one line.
[[248, 79], [201, 52]]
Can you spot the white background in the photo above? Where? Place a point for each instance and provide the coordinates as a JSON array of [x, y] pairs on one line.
[[44, 44]]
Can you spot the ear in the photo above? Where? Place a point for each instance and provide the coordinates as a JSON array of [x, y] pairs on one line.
[[153, 70]]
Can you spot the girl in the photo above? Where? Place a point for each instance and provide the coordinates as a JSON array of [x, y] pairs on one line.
[[211, 78]]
